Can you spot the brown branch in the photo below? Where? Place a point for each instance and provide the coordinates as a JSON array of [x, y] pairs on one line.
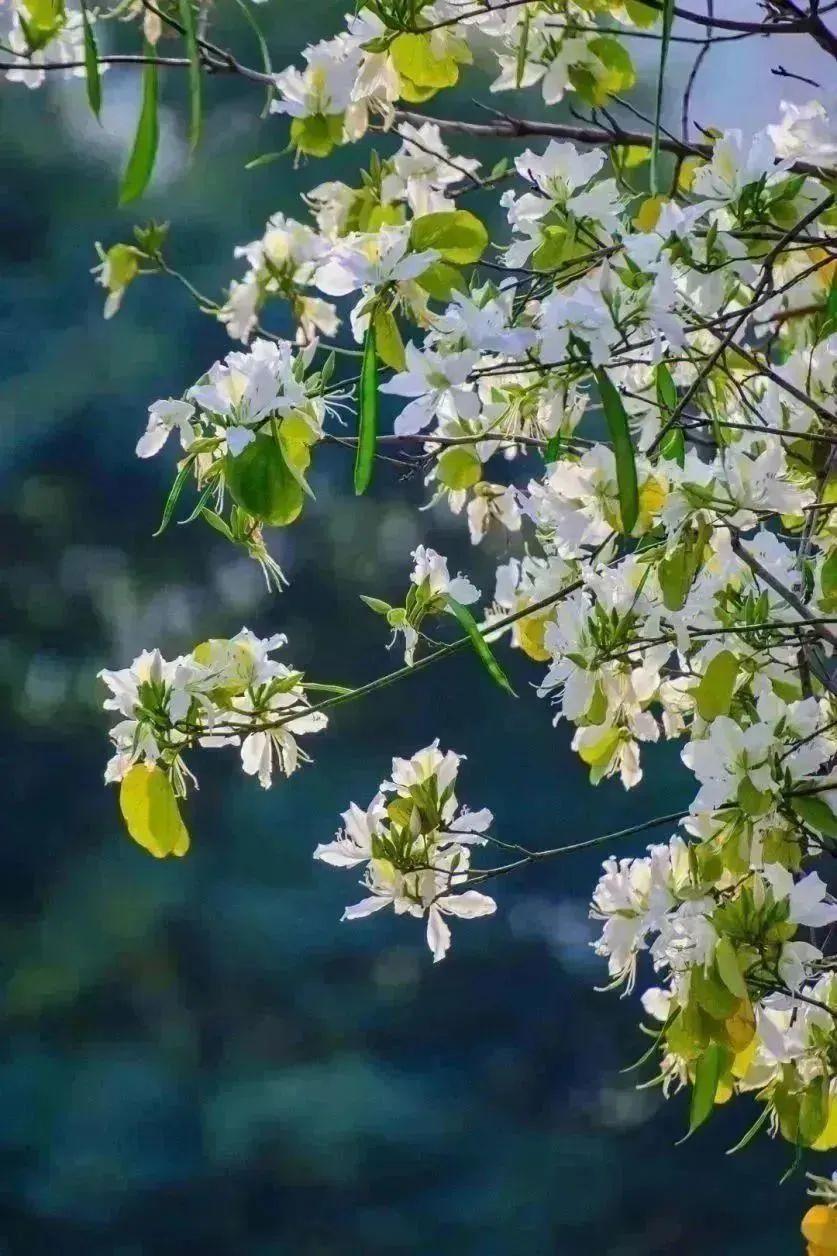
[[522, 128]]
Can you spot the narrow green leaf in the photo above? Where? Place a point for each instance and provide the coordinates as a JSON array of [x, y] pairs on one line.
[[215, 521], [552, 452], [522, 49], [367, 432], [265, 159], [708, 1071], [190, 38], [264, 53], [751, 1132], [668, 19], [318, 687], [91, 64], [478, 641], [199, 505], [174, 493], [141, 161], [620, 435], [666, 388]]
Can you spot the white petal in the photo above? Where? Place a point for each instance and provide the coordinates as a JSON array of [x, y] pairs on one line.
[[468, 905], [438, 934], [365, 907], [239, 438]]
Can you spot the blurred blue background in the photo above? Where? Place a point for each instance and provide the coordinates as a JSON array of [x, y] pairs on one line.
[[196, 1055]]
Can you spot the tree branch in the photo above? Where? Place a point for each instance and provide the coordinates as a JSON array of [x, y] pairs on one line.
[[521, 128]]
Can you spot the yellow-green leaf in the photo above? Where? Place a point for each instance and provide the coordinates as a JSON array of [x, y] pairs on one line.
[[708, 1070], [388, 342], [726, 961], [91, 64], [459, 468], [440, 280], [367, 430], [713, 695], [190, 39], [457, 235], [150, 811], [623, 449], [144, 152]]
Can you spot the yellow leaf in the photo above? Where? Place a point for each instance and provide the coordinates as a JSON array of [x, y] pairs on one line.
[[649, 212], [530, 633], [819, 1227], [740, 1066], [741, 1028], [687, 172], [150, 811], [828, 1138]]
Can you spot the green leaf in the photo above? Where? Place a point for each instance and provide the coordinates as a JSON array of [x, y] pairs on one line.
[[440, 280], [711, 993], [375, 604], [816, 813], [726, 961], [552, 452], [673, 446], [190, 39], [457, 235], [388, 343], [317, 134], [828, 575], [264, 53], [760, 1120], [713, 695], [215, 521], [261, 482], [171, 501], [708, 1072], [150, 811], [668, 19], [91, 64], [665, 387], [522, 49], [414, 59], [813, 1111], [620, 435], [675, 573], [367, 430], [143, 155], [265, 159], [617, 74], [478, 641]]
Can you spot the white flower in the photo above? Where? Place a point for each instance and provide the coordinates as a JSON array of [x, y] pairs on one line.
[[163, 417], [727, 757], [736, 163], [439, 385], [431, 572], [370, 261], [805, 897], [807, 131], [246, 388]]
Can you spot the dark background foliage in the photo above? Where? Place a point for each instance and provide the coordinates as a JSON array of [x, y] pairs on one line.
[[197, 1055]]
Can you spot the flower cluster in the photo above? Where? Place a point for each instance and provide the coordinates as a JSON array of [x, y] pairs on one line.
[[629, 391], [415, 842], [225, 693]]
